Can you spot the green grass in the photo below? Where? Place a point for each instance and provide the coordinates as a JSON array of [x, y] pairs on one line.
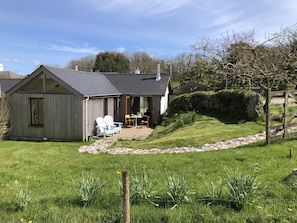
[[54, 170], [206, 129]]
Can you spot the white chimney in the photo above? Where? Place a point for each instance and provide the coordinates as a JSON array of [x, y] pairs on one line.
[[76, 67], [137, 71], [1, 67], [158, 77]]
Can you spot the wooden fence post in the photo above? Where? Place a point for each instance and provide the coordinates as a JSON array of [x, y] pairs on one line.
[[267, 108], [285, 116], [126, 196]]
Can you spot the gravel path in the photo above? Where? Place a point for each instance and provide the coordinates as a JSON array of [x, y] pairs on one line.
[[100, 146]]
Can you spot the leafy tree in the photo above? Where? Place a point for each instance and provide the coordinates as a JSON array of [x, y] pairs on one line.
[[143, 62], [111, 62], [84, 63], [181, 66], [147, 64]]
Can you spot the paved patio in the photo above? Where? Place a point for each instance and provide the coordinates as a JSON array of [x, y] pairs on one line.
[[133, 133]]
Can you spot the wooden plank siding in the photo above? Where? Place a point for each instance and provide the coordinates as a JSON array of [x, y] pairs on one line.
[[95, 108], [62, 117]]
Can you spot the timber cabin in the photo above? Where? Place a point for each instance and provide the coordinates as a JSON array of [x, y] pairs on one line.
[[62, 105]]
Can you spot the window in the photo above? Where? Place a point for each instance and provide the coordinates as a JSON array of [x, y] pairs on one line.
[[105, 106], [36, 110]]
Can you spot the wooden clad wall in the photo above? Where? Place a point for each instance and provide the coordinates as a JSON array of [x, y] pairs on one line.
[[62, 117], [95, 108]]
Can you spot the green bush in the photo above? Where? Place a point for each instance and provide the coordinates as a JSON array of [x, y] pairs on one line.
[[243, 189], [233, 102], [23, 195], [89, 189], [185, 119], [141, 188], [178, 190]]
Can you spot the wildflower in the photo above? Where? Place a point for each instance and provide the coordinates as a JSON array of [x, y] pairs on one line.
[[119, 173], [30, 221], [157, 205], [16, 183], [22, 220]]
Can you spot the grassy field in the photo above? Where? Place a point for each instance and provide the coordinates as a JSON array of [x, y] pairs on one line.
[[53, 172]]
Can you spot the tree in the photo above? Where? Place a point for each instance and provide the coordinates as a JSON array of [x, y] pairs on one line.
[[238, 61], [143, 62], [181, 66], [111, 62], [84, 63], [5, 115], [147, 64]]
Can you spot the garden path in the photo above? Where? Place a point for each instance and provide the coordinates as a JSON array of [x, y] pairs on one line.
[[100, 146]]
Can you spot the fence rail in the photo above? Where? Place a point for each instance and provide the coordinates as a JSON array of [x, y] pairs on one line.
[[283, 124]]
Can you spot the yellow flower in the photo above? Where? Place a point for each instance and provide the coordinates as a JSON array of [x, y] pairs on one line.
[[30, 221], [119, 173], [157, 205], [22, 220], [16, 182]]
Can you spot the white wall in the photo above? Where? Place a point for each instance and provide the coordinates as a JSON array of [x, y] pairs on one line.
[[164, 102]]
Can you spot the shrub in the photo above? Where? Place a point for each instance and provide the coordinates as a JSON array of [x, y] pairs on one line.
[[141, 188], [23, 195], [185, 119], [243, 189], [215, 192], [234, 102], [89, 189], [178, 190], [4, 117]]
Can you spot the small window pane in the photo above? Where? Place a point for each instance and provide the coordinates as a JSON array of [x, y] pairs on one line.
[[36, 111]]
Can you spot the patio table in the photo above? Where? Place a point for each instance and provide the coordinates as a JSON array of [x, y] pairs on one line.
[[136, 117]]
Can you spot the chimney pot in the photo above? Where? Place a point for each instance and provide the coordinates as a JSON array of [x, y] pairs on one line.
[[158, 77]]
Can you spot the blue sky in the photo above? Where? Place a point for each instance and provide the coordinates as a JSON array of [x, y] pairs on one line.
[[34, 32]]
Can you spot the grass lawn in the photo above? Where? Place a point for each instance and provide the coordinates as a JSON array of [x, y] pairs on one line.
[[53, 171]]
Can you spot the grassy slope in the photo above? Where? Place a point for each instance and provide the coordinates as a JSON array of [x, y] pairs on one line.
[[205, 130], [53, 171]]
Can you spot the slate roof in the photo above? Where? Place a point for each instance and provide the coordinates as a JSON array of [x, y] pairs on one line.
[[6, 84], [90, 84], [139, 84], [9, 75], [86, 83]]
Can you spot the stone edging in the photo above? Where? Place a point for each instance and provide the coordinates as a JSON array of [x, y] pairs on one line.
[[100, 146]]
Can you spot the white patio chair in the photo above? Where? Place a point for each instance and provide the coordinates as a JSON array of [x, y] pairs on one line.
[[103, 128], [116, 126]]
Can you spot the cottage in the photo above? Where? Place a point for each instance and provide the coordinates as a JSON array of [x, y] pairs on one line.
[[62, 105]]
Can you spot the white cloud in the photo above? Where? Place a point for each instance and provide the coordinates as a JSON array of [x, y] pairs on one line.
[[36, 63], [85, 49], [151, 7], [121, 49], [12, 60]]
